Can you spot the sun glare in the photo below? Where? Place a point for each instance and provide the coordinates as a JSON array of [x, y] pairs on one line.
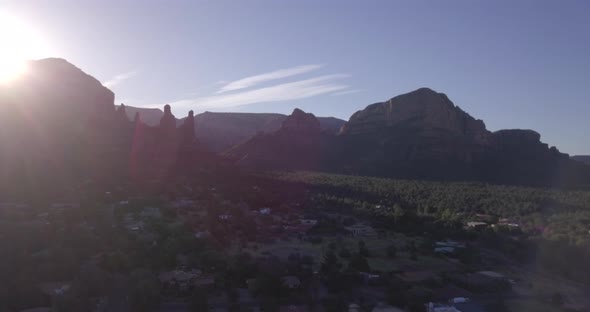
[[20, 42]]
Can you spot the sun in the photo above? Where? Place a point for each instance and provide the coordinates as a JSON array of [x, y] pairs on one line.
[[20, 42]]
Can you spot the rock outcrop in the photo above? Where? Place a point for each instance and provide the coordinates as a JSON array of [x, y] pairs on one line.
[[59, 127], [55, 122], [301, 122], [516, 137], [221, 131], [298, 144], [423, 111]]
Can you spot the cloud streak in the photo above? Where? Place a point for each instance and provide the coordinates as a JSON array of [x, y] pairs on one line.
[[278, 74], [282, 92], [346, 92], [118, 79]]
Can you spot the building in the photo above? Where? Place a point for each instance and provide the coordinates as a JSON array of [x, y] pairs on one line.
[[444, 250], [264, 211], [310, 222], [54, 288], [476, 224], [179, 280], [438, 307], [382, 307], [361, 230], [291, 282], [293, 308], [150, 212]]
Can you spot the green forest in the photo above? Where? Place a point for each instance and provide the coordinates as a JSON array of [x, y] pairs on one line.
[[553, 224]]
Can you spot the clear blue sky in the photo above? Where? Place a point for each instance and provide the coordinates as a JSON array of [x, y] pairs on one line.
[[514, 64]]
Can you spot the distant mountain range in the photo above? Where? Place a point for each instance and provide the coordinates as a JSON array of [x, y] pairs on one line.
[[59, 125], [221, 131], [582, 158], [422, 135]]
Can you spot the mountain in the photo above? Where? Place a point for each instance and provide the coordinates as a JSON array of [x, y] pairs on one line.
[[149, 116], [81, 137], [421, 134], [54, 149], [582, 158], [221, 131], [300, 143]]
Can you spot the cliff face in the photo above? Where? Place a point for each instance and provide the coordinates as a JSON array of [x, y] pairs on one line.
[[418, 134], [424, 112], [59, 127], [301, 122], [52, 122]]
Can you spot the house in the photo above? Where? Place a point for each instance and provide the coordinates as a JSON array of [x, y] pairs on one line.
[[476, 224], [492, 274], [182, 203], [444, 250], [54, 288], [264, 211], [368, 276], [291, 282], [131, 224], [361, 230], [382, 307], [12, 205], [179, 279], [202, 234], [293, 308], [204, 281], [72, 205], [151, 212], [225, 216], [507, 222], [447, 292], [353, 307], [39, 309], [415, 276], [450, 243], [309, 222], [439, 307]]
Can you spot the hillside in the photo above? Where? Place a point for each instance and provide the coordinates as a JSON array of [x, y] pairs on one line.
[[221, 131]]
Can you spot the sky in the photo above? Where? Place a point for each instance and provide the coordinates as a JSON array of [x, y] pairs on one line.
[[513, 64]]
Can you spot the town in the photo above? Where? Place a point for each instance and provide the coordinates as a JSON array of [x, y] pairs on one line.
[[262, 244]]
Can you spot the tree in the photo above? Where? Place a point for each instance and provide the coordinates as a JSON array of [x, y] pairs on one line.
[[144, 291], [557, 299], [359, 263], [391, 251], [330, 264], [344, 253], [363, 250], [198, 301]]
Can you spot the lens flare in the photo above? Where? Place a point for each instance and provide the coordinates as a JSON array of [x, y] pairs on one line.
[[19, 42]]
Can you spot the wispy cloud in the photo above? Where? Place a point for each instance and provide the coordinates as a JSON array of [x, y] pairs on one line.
[[254, 80], [282, 92], [118, 79], [347, 92]]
